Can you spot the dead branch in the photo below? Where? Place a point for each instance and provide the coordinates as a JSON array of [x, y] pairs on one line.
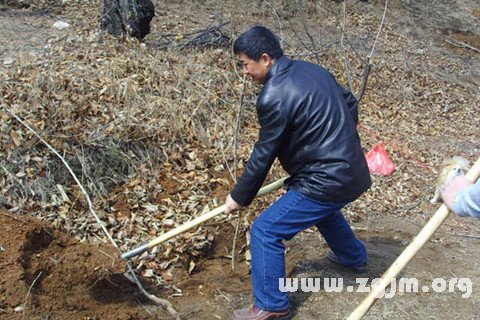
[[165, 304], [235, 149], [342, 45], [235, 236], [368, 64], [378, 32], [466, 236], [211, 37], [301, 42], [28, 293], [312, 42], [460, 44], [230, 170], [363, 86], [347, 39], [316, 52], [237, 128], [278, 20], [304, 54]]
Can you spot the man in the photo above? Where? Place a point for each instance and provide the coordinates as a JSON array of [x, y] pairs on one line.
[[462, 197], [308, 122]]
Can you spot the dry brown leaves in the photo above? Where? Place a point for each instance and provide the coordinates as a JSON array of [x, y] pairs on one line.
[[148, 133]]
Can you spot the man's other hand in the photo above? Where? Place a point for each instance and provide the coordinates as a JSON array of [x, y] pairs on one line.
[[456, 185], [231, 205]]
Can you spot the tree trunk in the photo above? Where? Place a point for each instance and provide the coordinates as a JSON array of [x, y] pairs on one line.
[[127, 17]]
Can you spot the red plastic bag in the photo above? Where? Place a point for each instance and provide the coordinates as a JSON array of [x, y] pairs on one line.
[[379, 161]]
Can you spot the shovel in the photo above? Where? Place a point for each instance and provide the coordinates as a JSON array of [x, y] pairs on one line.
[[193, 223]]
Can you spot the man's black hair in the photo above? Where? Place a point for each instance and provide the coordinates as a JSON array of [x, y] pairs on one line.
[[256, 41]]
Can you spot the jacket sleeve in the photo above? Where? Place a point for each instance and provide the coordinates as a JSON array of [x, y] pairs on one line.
[[272, 130], [351, 102], [467, 203]]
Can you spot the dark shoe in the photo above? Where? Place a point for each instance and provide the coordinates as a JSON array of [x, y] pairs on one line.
[[360, 268], [254, 313]]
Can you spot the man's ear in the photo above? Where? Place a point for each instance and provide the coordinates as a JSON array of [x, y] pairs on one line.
[[266, 59]]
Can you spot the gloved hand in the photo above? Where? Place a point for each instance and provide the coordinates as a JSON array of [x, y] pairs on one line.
[[453, 187]]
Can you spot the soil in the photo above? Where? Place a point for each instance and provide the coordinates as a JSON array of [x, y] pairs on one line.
[[46, 274], [50, 276]]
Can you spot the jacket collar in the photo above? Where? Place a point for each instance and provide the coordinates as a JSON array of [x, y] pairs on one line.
[[280, 65]]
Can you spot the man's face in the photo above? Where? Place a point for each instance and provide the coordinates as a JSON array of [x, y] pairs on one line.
[[257, 70]]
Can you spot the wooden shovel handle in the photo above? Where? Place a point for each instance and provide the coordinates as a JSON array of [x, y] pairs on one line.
[[418, 242], [193, 223]]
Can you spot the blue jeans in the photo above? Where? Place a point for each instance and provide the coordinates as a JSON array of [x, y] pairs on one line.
[[290, 214]]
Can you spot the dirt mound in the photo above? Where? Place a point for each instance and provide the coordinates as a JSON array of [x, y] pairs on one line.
[[55, 277], [52, 275]]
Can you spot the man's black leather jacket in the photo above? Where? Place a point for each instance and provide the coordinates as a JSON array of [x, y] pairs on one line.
[[308, 121]]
